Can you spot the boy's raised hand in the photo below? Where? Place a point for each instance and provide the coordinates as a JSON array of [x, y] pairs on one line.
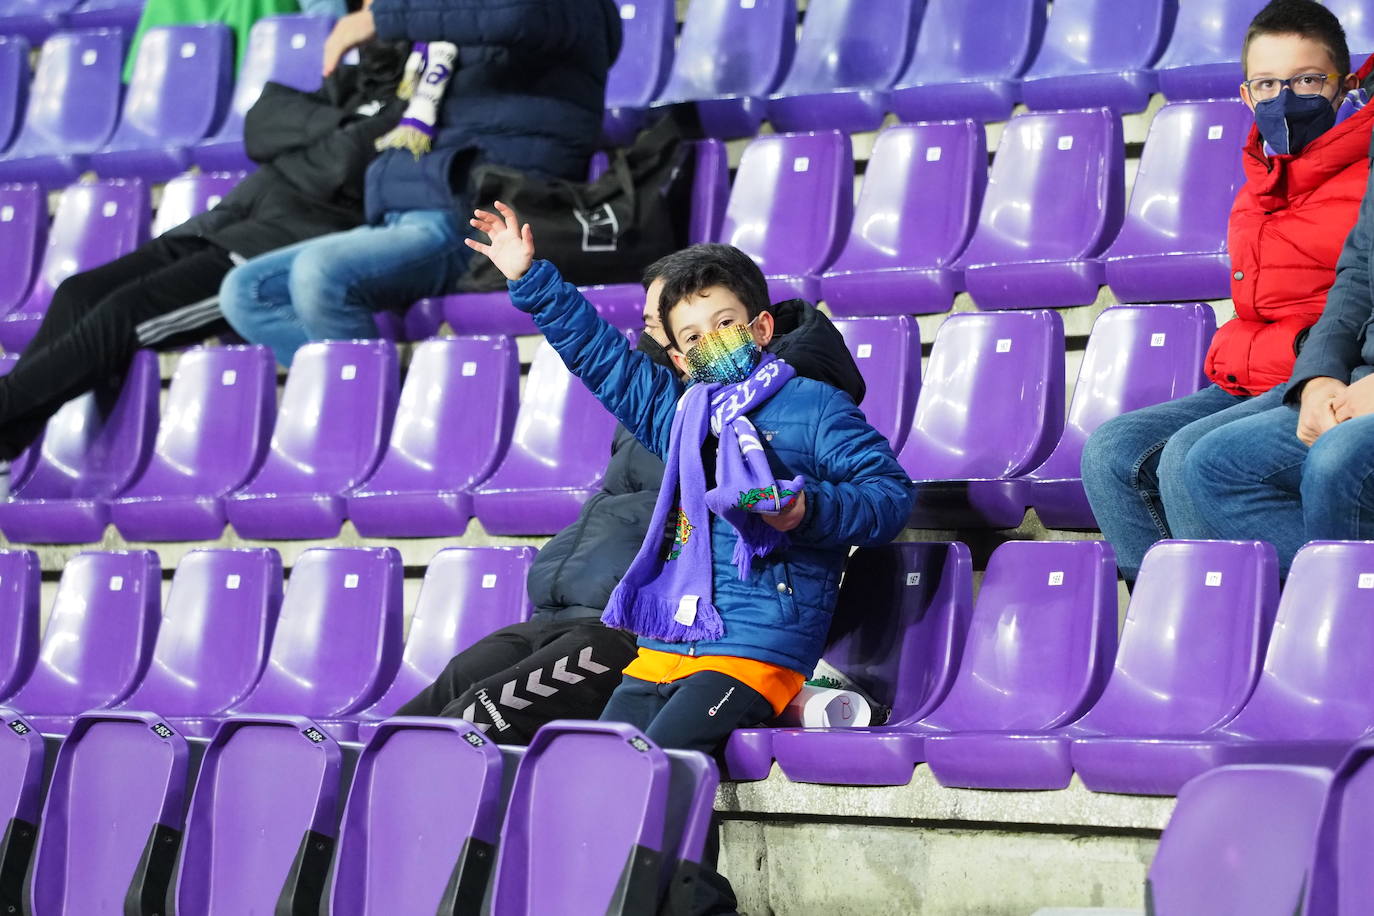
[[512, 245]]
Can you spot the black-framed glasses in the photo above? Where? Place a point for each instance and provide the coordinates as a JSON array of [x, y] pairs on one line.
[[1268, 87]]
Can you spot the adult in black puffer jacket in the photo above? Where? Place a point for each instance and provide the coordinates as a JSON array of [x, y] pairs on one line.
[[577, 569]]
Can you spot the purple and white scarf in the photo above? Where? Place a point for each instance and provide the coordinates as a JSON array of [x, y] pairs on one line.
[[426, 78], [667, 594]]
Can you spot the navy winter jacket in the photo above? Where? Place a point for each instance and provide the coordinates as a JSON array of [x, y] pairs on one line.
[[527, 91], [856, 493]]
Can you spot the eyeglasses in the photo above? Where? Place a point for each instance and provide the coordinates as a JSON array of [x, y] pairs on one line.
[[1268, 87]]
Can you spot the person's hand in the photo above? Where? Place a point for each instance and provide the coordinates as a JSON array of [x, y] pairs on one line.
[[790, 517], [1355, 401], [1317, 413], [349, 32], [512, 245]]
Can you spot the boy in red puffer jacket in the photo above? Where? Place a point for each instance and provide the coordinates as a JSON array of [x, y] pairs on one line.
[[1306, 166]]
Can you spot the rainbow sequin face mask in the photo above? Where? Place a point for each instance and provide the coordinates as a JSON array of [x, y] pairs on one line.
[[724, 357]]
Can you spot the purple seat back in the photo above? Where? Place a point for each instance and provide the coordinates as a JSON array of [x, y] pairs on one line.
[[106, 14], [411, 769], [1086, 39], [1240, 843], [1202, 60], [74, 98], [468, 593], [1055, 192], [1193, 640], [646, 53], [14, 85], [888, 353], [113, 815], [732, 48], [962, 68], [21, 466], [710, 191], [1010, 364], [1136, 356], [179, 88], [23, 233], [94, 224], [20, 596], [1041, 640], [575, 774], [191, 194], [92, 448], [1314, 684], [1341, 881], [1181, 203], [905, 658], [1358, 22], [792, 201], [853, 44], [338, 637], [99, 636], [333, 420], [212, 644], [265, 802], [22, 758], [694, 779]]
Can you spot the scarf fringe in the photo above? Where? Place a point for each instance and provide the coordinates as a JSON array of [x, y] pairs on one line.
[[650, 616], [759, 540], [407, 137]]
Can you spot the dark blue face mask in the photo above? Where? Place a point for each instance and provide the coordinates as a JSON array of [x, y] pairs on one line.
[[1288, 122]]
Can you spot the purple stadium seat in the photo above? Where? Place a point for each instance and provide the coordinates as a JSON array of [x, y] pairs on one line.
[[1190, 653], [694, 779], [1341, 880], [1054, 201], [991, 408], [849, 55], [266, 806], [468, 593], [34, 20], [791, 204], [20, 467], [556, 457], [1203, 57], [1308, 706], [19, 597], [23, 236], [90, 451], [1172, 244], [94, 224], [919, 202], [212, 437], [452, 427], [1240, 843], [1038, 650], [337, 641], [639, 73], [72, 109], [22, 766], [14, 85], [178, 94], [1099, 52], [436, 778], [483, 314], [332, 426], [106, 14], [1136, 356], [1358, 22], [284, 49], [888, 353], [212, 644], [904, 658], [964, 69], [112, 822], [730, 56], [98, 640], [190, 195], [575, 774]]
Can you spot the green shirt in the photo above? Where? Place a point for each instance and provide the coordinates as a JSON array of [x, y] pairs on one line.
[[239, 15]]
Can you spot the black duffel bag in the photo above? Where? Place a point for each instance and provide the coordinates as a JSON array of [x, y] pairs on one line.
[[605, 231]]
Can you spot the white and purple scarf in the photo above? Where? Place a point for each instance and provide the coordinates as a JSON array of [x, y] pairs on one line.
[[426, 79]]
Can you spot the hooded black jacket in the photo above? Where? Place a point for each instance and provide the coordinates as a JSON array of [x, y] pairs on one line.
[[577, 569], [313, 149]]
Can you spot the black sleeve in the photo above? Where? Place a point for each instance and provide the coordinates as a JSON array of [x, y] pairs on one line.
[[339, 158], [285, 119]]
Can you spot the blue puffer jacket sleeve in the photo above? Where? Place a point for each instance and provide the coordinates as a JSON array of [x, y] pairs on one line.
[[539, 26], [640, 393], [864, 496]]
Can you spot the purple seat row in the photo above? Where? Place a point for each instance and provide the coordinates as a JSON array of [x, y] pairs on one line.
[[136, 813], [1026, 686]]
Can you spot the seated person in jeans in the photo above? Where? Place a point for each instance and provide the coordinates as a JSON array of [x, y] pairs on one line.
[[1306, 164], [769, 479]]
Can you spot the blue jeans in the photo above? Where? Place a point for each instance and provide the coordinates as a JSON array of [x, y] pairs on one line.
[[1133, 470], [1256, 480], [328, 288]]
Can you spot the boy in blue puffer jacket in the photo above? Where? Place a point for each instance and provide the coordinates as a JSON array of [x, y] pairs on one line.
[[769, 479]]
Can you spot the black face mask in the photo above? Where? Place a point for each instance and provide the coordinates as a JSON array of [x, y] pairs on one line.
[[654, 350]]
